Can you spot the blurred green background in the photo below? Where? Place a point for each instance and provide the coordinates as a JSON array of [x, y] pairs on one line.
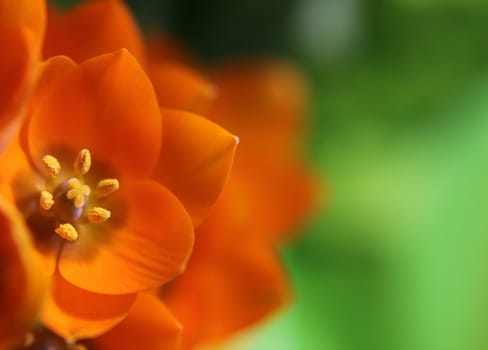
[[397, 259]]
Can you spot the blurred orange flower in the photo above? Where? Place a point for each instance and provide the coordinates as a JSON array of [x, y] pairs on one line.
[[22, 26], [234, 277]]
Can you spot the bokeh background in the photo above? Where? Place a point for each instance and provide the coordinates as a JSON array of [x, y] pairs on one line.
[[397, 257]]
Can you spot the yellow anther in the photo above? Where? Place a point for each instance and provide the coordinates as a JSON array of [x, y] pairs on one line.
[[82, 163], [77, 192], [97, 215], [67, 231], [106, 187], [46, 200], [29, 339], [52, 165]]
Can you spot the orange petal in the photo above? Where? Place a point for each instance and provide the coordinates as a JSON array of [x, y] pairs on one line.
[[262, 102], [276, 194], [91, 29], [106, 104], [149, 326], [17, 73], [178, 87], [22, 26], [229, 284], [30, 14], [265, 104], [18, 186], [140, 247], [75, 313], [196, 157], [53, 70], [22, 282]]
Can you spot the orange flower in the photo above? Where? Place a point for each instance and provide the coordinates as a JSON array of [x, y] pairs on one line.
[[22, 25], [94, 127], [21, 280]]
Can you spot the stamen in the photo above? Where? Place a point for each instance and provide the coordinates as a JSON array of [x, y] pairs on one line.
[[82, 163], [106, 187], [97, 215], [78, 192], [67, 231], [46, 200], [29, 339], [52, 165]]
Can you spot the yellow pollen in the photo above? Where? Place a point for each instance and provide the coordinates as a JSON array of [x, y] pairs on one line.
[[77, 192], [52, 165], [106, 187], [97, 215], [67, 231], [46, 200], [82, 163]]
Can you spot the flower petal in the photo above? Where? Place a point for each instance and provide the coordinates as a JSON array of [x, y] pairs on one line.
[[106, 104], [18, 186], [75, 313], [234, 279], [263, 102], [141, 246], [149, 326], [29, 14], [17, 73], [180, 88], [22, 282], [195, 161], [91, 29], [22, 26], [53, 70]]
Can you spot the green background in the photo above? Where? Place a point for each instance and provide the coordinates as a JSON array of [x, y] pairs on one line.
[[397, 258]]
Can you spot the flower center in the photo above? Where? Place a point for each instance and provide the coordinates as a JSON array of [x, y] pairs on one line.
[[69, 199]]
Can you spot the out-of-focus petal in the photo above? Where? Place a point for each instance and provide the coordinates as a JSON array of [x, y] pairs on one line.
[[28, 14], [149, 326], [265, 103], [22, 26], [146, 242], [98, 106], [18, 186], [91, 29], [22, 281], [233, 279], [179, 87], [75, 313], [17, 73], [196, 157], [276, 194]]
